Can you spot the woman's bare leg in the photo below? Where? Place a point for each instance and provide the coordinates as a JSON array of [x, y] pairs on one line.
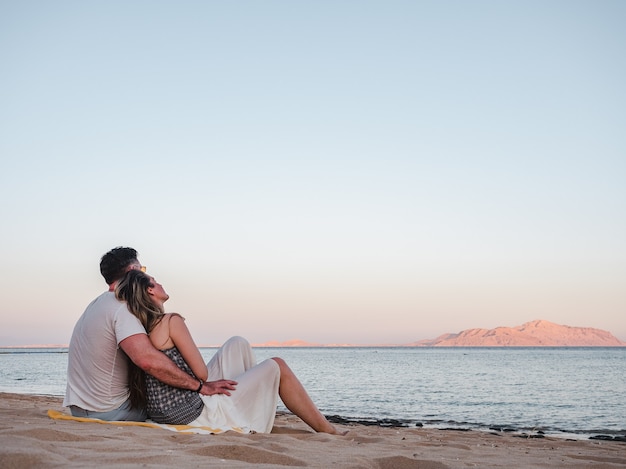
[[297, 400]]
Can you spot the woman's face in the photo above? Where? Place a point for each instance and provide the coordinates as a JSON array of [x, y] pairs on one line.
[[157, 292]]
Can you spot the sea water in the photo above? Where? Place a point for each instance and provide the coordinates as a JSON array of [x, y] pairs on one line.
[[570, 392]]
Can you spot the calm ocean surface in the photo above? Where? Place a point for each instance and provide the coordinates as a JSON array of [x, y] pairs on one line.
[[568, 392]]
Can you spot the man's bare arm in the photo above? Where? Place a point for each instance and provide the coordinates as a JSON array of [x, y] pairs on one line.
[[143, 354]]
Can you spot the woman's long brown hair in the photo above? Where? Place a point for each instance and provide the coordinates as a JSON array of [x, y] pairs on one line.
[[133, 290]]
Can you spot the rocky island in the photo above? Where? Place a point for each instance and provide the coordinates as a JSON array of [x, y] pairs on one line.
[[537, 333]]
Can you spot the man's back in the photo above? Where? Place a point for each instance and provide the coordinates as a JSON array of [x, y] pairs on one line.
[[97, 368]]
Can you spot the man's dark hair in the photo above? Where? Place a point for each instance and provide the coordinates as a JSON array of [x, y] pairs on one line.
[[114, 263]]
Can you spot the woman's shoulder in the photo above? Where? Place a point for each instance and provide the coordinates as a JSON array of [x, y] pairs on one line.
[[160, 335], [176, 325], [169, 316]]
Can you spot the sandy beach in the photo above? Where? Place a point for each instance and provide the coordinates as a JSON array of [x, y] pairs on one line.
[[29, 439]]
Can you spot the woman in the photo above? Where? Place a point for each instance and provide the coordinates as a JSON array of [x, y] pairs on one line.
[[249, 407]]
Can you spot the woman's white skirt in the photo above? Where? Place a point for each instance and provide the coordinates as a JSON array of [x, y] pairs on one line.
[[251, 407]]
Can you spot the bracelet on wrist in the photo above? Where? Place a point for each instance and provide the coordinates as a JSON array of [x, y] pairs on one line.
[[201, 384]]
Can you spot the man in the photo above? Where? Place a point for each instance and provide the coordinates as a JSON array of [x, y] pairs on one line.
[[104, 338]]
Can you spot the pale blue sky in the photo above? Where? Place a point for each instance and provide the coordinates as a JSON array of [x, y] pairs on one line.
[[337, 172]]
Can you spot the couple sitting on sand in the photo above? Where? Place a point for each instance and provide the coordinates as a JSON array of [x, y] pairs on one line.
[[129, 360]]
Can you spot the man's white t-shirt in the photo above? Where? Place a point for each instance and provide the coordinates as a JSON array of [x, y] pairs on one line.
[[97, 372]]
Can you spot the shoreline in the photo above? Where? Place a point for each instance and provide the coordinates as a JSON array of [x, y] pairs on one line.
[[517, 432], [29, 438]]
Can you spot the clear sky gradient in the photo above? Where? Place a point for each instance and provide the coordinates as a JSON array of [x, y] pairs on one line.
[[334, 171]]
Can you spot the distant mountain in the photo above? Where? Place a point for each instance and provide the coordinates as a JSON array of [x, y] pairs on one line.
[[538, 333]]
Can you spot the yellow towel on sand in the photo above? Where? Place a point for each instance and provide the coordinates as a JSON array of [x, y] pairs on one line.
[[53, 414]]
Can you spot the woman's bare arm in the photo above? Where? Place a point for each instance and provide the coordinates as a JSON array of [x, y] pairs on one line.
[[180, 335]]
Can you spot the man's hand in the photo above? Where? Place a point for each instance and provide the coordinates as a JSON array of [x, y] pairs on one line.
[[222, 386]]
